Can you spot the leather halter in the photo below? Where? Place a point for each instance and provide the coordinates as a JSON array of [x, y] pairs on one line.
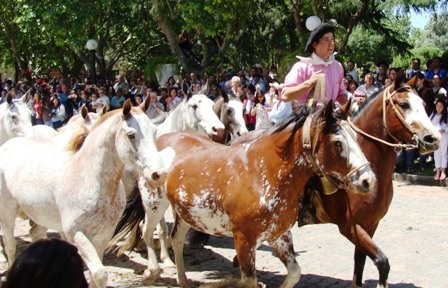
[[330, 183], [387, 99]]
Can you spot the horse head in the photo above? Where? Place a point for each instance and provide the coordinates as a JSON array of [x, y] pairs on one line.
[[231, 114], [136, 143], [15, 119], [201, 115], [404, 107], [332, 148]]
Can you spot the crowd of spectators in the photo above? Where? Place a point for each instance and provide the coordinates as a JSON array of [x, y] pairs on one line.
[[54, 100]]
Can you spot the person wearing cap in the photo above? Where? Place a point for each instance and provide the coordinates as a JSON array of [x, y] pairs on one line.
[[303, 76]]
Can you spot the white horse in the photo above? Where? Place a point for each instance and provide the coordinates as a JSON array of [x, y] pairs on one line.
[[78, 190], [195, 112], [62, 137], [15, 119]]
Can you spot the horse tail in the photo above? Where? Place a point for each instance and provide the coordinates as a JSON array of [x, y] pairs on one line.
[[128, 224]]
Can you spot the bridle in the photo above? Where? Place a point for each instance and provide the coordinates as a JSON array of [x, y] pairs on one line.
[[330, 183], [398, 146]]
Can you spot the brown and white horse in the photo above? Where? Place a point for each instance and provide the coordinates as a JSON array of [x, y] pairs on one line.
[[230, 111], [250, 190]]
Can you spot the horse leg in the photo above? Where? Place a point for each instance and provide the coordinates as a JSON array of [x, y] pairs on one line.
[[92, 259], [151, 218], [179, 232], [8, 220], [162, 230], [284, 249], [245, 251], [366, 247]]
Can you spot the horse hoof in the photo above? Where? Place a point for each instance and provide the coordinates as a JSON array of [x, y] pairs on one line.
[[151, 275], [168, 264]]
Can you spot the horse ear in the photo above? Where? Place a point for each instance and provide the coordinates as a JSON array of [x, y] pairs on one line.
[[346, 109], [9, 98], [224, 95], [412, 82], [26, 96], [329, 111], [103, 110], [204, 89], [401, 78], [145, 104], [127, 108], [186, 89], [85, 111]]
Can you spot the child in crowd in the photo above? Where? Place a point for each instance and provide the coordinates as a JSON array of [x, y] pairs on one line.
[[439, 119]]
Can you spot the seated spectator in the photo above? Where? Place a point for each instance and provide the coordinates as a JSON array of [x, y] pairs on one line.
[[117, 100], [47, 264], [365, 90]]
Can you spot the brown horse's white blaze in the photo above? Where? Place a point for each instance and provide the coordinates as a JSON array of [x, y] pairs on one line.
[[249, 190]]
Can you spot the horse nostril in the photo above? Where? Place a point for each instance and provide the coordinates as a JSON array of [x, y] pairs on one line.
[[214, 129], [365, 185], [155, 176], [238, 133], [428, 139]]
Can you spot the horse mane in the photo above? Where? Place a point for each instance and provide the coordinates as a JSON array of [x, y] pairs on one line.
[[285, 150], [77, 140]]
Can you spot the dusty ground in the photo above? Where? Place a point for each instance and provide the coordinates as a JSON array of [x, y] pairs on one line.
[[412, 235]]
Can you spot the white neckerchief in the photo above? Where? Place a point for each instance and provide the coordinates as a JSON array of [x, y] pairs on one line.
[[316, 60]]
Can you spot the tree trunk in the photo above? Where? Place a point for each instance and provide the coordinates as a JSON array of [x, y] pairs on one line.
[[354, 20], [171, 35]]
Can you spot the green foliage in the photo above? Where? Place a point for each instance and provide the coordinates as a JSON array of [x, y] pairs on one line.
[[53, 33]]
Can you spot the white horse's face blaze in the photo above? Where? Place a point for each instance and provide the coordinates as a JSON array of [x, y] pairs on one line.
[[235, 117], [137, 147], [15, 120], [415, 116], [201, 108]]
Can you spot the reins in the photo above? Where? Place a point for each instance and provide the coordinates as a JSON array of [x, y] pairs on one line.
[[330, 184], [397, 146]]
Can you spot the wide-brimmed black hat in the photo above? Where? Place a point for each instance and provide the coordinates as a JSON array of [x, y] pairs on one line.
[[316, 34]]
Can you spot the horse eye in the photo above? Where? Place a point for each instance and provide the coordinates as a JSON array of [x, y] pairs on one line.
[[131, 135], [338, 144], [404, 105], [195, 107], [13, 117]]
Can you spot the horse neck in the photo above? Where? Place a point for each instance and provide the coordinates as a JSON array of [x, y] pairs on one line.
[[5, 129], [296, 165], [370, 120], [176, 120], [99, 152]]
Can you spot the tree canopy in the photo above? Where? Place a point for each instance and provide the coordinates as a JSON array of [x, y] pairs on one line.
[[39, 35]]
